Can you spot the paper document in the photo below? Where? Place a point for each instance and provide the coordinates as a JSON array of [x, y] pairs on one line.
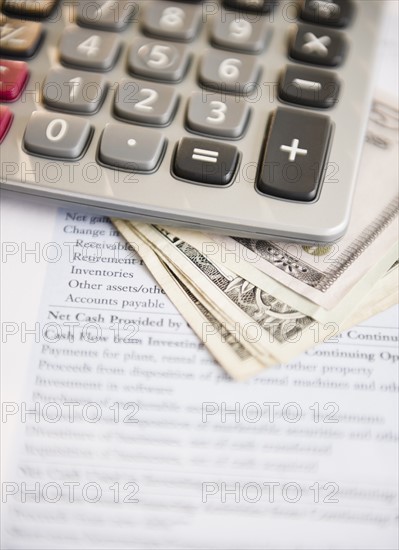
[[130, 436]]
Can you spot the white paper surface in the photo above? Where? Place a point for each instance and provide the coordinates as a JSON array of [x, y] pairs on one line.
[[321, 429]]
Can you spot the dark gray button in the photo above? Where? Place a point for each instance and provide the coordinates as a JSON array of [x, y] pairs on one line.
[[240, 32], [335, 13], [311, 87], [93, 50], [295, 155], [319, 46], [59, 136], [172, 20], [131, 147], [74, 91], [251, 6], [232, 73], [205, 161], [145, 102], [207, 114], [158, 60], [110, 15]]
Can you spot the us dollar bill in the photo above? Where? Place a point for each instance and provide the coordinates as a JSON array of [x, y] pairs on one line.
[[384, 295], [269, 325], [223, 345], [325, 274], [227, 346], [247, 271]]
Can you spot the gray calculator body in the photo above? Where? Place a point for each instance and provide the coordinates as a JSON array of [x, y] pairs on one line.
[[159, 194]]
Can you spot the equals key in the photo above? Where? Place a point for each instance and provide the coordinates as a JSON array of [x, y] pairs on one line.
[[205, 161]]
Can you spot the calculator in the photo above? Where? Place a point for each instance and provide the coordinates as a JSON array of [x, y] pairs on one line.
[[243, 117]]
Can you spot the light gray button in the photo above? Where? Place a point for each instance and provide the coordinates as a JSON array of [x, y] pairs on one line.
[[208, 114], [19, 38], [131, 147], [172, 20], [59, 136], [145, 102], [158, 60], [74, 91], [241, 32], [112, 15], [91, 49], [229, 72]]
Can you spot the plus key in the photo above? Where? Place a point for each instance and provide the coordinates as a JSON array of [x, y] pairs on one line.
[[294, 158]]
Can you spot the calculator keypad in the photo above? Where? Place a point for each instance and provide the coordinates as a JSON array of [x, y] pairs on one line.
[[145, 102], [216, 116], [74, 91], [57, 136], [159, 61], [92, 50], [218, 93]]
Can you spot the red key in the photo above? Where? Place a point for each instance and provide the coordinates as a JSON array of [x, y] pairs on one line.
[[5, 121], [13, 78]]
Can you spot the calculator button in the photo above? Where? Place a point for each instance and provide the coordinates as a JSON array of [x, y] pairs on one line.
[[250, 6], [160, 61], [5, 121], [232, 73], [74, 91], [13, 78], [131, 148], [110, 15], [39, 9], [296, 151], [93, 50], [172, 21], [207, 115], [319, 46], [145, 102], [310, 87], [205, 161], [57, 136], [19, 38], [236, 31], [336, 13]]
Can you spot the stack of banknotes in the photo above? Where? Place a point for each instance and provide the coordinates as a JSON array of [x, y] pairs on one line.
[[258, 303]]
